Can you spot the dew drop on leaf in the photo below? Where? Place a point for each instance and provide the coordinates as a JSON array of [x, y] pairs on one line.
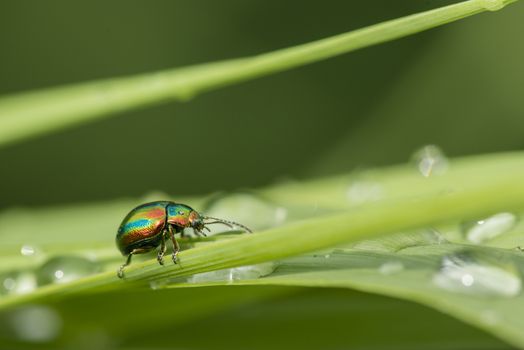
[[488, 228], [235, 274], [27, 250], [430, 161], [18, 283], [476, 274], [64, 269]]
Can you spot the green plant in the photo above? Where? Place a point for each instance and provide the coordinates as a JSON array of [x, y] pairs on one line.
[[328, 239]]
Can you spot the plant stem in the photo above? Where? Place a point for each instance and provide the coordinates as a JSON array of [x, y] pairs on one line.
[[33, 113]]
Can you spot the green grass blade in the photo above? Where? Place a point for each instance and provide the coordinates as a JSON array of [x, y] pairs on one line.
[[28, 114], [469, 189]]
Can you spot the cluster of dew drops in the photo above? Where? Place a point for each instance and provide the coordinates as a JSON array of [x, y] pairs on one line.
[[58, 269], [40, 323], [459, 273], [465, 272], [471, 272]]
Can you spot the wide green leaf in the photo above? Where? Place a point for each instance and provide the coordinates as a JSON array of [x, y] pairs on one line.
[[479, 285], [345, 212]]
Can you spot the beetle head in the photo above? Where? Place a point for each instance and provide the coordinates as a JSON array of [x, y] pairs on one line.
[[196, 222]]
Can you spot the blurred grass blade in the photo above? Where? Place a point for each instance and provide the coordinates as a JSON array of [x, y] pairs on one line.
[[29, 114]]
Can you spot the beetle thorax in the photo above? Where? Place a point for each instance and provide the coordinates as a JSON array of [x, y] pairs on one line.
[[179, 215]]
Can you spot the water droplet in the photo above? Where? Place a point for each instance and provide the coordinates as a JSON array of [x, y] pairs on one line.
[[65, 269], [391, 267], [27, 250], [36, 324], [59, 274], [362, 191], [245, 208], [478, 275], [467, 280], [489, 228], [430, 161], [18, 283], [327, 256], [492, 5], [235, 274]]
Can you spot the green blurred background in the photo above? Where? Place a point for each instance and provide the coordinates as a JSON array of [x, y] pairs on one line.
[[457, 86]]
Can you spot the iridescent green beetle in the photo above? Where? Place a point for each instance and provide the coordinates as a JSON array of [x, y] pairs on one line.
[[149, 225]]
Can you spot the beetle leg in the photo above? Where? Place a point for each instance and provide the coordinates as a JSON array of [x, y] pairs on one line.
[[176, 247], [196, 233], [120, 272], [162, 251], [199, 233]]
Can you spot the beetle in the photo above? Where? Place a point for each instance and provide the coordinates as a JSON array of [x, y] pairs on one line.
[[149, 225]]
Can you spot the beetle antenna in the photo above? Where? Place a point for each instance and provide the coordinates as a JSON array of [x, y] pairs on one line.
[[227, 223], [219, 222]]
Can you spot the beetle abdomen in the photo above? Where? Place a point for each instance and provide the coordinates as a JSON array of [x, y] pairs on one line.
[[142, 227], [148, 244]]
